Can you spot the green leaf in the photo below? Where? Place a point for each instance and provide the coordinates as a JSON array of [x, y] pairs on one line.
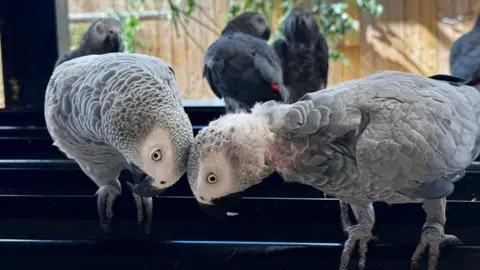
[[247, 4], [371, 6], [191, 7], [233, 9]]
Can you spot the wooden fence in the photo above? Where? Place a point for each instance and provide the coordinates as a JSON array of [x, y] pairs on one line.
[[411, 35]]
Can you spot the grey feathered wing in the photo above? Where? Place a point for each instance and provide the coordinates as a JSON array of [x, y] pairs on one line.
[[281, 49], [412, 132], [75, 112]]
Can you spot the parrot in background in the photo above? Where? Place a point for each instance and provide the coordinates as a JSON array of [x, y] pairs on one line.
[[303, 53], [249, 22], [240, 67], [390, 137], [103, 36], [465, 53], [243, 70], [119, 111]]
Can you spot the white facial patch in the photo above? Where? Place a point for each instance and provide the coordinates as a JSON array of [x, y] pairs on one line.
[[218, 165], [157, 158]]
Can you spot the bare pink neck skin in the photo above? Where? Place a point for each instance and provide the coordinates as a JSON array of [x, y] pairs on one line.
[[277, 160]]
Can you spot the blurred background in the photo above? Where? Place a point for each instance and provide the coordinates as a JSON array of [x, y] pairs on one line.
[[364, 36]]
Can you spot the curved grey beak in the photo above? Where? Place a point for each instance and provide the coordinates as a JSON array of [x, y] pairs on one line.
[[143, 183], [113, 42], [267, 33], [220, 206], [145, 188]]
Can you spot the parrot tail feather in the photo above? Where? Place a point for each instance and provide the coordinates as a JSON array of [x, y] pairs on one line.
[[275, 87]]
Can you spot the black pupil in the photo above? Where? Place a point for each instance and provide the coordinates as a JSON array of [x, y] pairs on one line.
[[212, 178], [155, 156]]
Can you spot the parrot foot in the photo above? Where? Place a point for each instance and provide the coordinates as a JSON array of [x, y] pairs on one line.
[[144, 209], [362, 235], [434, 237], [105, 200]]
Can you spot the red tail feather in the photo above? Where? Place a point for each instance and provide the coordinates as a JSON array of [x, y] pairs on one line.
[[275, 87]]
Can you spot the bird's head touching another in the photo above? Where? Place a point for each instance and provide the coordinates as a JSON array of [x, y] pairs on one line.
[[226, 158]]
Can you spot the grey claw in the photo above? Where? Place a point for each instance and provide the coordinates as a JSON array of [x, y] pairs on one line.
[[356, 234], [144, 207], [148, 204], [106, 198], [105, 227], [130, 186], [148, 228], [434, 238]]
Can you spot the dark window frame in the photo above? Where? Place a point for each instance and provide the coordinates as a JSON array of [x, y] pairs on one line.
[[55, 31]]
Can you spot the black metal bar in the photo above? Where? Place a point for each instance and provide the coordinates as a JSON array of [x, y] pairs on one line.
[[83, 17], [16, 116], [154, 256]]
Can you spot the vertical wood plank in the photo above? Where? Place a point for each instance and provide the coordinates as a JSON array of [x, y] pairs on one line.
[[428, 42], [178, 55], [395, 32], [366, 48], [350, 46], [444, 35], [412, 35]]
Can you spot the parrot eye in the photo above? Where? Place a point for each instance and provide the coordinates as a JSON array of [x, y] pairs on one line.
[[157, 155], [212, 178]]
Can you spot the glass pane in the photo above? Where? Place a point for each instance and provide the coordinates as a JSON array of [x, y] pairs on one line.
[[154, 35]]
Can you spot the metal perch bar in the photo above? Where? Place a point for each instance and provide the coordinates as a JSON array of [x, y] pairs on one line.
[[90, 16], [474, 167]]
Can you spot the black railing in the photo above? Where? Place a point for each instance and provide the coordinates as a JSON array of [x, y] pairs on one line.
[[48, 213]]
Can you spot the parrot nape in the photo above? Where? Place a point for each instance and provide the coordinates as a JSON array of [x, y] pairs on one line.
[[119, 111], [389, 137], [249, 22], [303, 53], [103, 36], [465, 53]]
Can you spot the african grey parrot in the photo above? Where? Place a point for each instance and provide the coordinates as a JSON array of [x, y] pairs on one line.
[[303, 53], [103, 36], [251, 23], [390, 137], [120, 111], [240, 67], [465, 53]]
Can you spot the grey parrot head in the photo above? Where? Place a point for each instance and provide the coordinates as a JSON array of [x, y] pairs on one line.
[[301, 24], [226, 158], [151, 129], [251, 23], [103, 36], [163, 154]]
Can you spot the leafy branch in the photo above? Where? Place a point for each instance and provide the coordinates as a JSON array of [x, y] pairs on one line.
[[335, 22]]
